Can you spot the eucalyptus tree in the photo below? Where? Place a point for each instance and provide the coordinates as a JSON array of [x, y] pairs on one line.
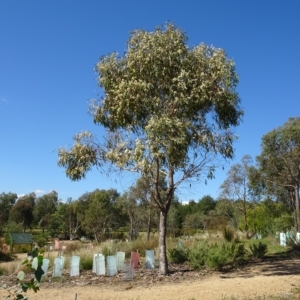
[[206, 204], [279, 163], [44, 207], [22, 211], [7, 200], [167, 109], [100, 213], [236, 188]]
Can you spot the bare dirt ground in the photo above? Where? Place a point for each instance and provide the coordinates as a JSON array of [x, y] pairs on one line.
[[254, 280]]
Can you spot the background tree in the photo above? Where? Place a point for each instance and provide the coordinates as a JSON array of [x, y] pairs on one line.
[[236, 188], [175, 220], [22, 212], [206, 204], [59, 221], [7, 200], [129, 203], [167, 108], [45, 206], [100, 213], [73, 218], [227, 208], [279, 163], [269, 217]]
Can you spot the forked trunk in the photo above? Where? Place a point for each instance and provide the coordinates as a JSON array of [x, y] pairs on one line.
[[163, 261]]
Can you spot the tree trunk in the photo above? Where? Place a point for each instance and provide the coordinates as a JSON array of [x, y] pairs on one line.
[[163, 261], [297, 208], [131, 229], [149, 225]]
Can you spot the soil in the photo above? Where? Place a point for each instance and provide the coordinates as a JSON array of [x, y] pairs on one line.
[[254, 280]]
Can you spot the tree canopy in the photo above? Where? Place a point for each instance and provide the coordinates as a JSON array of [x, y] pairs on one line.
[[279, 163], [168, 110]]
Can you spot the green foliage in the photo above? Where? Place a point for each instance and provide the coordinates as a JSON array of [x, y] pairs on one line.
[[100, 213], [86, 262], [7, 200], [177, 255], [41, 239], [228, 234], [22, 211], [45, 206], [283, 222], [221, 254], [34, 263], [163, 114], [258, 250], [278, 164], [11, 227], [292, 241], [206, 204], [197, 256], [5, 256], [269, 217], [236, 188], [106, 251]]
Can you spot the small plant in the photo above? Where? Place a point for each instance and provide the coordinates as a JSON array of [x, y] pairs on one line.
[[177, 256], [292, 241], [86, 259], [228, 234], [5, 256], [258, 250], [197, 256], [106, 251], [41, 240], [219, 255]]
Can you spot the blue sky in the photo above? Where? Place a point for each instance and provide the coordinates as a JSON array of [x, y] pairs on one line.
[[49, 50]]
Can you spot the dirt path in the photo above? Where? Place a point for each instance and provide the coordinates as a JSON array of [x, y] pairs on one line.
[[261, 279]]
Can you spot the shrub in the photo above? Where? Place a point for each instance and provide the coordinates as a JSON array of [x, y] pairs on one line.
[[86, 263], [258, 250], [11, 227], [197, 256], [5, 256], [219, 255], [177, 256], [228, 234], [106, 251], [292, 241], [41, 239]]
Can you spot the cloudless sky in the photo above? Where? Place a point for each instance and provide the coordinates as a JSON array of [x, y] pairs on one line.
[[48, 50]]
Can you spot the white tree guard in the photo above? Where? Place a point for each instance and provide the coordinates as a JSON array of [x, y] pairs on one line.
[[111, 265], [74, 265], [120, 260], [58, 267], [149, 259], [45, 266], [99, 264]]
